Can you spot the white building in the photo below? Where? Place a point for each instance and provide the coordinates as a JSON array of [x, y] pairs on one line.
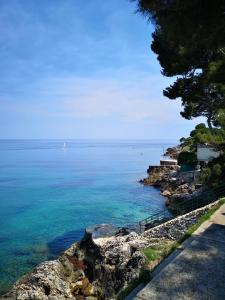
[[167, 161]]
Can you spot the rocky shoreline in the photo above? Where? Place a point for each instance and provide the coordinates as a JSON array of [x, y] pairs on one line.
[[108, 259], [175, 185], [98, 267]]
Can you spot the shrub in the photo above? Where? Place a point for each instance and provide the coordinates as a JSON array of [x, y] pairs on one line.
[[187, 158]]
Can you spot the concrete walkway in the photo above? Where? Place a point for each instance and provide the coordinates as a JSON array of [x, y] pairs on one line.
[[196, 270]]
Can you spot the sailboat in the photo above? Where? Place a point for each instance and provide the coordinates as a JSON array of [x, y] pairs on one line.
[[64, 146]]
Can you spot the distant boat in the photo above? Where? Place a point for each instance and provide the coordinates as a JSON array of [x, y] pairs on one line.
[[64, 146]]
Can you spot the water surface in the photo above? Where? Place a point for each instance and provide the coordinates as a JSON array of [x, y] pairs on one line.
[[49, 194]]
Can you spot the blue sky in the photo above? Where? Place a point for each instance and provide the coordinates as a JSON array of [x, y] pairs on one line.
[[81, 69]]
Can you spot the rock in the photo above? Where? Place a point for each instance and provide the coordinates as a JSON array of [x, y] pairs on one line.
[[159, 175], [175, 186], [87, 271], [101, 230], [166, 193], [131, 236], [76, 287], [122, 231], [167, 202], [173, 152]]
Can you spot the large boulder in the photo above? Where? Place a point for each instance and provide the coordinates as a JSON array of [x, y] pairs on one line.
[[98, 267]]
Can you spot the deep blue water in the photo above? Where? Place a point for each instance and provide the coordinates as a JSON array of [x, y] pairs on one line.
[[48, 195]]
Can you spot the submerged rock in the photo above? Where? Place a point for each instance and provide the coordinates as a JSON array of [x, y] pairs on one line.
[[101, 231]]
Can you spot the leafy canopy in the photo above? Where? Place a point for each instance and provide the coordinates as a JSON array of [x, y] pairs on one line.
[[189, 40], [201, 135]]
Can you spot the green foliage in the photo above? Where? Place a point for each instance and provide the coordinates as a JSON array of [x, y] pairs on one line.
[[214, 173], [187, 158], [200, 126], [220, 119], [201, 135], [189, 41], [205, 175], [151, 254], [217, 170], [199, 97], [159, 251]]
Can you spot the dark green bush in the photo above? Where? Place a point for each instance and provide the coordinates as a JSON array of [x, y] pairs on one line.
[[214, 173], [187, 158]]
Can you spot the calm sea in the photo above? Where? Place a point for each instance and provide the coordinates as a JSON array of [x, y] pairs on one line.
[[49, 194]]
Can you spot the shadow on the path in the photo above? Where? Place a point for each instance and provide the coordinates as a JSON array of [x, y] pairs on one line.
[[197, 273]]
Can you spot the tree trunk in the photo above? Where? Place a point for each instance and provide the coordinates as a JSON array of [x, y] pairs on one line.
[[209, 122]]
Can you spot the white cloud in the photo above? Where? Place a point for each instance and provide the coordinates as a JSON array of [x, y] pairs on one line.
[[131, 100], [134, 99], [131, 105]]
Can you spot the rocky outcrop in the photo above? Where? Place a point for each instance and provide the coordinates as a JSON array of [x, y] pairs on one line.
[[184, 193], [98, 267], [175, 185], [60, 279], [158, 176], [95, 268], [173, 152]]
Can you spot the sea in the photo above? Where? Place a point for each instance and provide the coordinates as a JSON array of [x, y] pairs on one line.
[[51, 190]]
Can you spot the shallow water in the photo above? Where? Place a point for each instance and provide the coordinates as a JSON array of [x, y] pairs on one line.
[[49, 194]]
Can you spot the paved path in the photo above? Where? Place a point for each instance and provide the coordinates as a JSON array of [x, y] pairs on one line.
[[196, 270]]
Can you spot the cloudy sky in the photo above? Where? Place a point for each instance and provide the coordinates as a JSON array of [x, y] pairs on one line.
[[81, 69]]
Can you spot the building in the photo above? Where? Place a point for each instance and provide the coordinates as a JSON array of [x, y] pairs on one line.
[[167, 161]]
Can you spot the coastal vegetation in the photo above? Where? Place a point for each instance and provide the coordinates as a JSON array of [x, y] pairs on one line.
[[213, 172], [189, 41]]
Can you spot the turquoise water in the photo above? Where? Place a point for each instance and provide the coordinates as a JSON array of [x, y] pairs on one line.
[[48, 195]]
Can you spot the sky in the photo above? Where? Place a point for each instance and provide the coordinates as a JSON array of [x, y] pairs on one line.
[[82, 69]]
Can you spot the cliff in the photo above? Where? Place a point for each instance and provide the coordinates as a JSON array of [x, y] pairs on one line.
[[94, 268]]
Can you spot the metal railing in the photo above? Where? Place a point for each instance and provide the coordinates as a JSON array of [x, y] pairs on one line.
[[173, 210]]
